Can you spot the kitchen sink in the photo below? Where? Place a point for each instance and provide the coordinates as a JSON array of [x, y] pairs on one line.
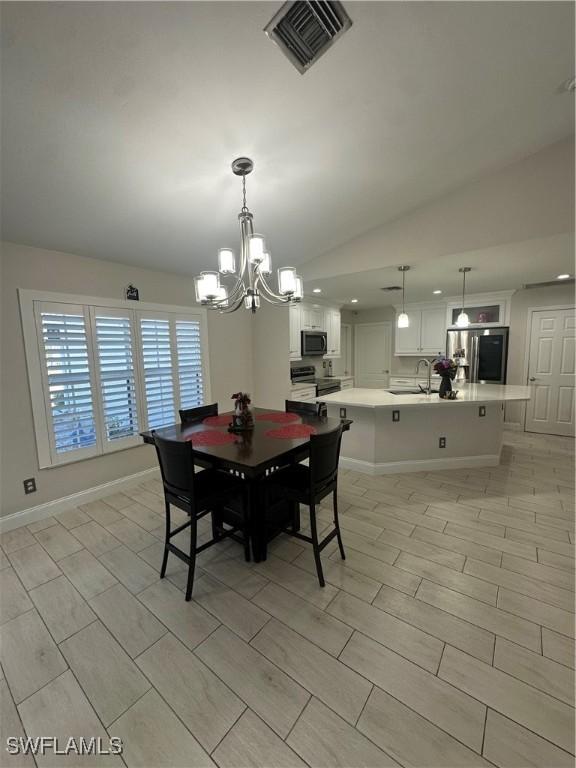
[[410, 392]]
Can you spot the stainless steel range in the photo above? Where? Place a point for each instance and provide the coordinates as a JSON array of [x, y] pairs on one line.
[[307, 374]]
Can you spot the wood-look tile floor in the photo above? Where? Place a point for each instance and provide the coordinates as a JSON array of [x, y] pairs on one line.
[[446, 638]]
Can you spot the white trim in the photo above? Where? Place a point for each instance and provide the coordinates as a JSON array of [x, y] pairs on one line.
[[515, 426], [528, 339], [29, 300], [40, 512], [419, 465]]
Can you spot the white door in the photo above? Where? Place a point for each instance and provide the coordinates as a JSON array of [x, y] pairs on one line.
[[372, 355], [551, 372]]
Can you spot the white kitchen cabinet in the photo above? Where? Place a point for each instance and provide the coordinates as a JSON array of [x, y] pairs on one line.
[[312, 318], [295, 312], [426, 334], [332, 328], [304, 394]]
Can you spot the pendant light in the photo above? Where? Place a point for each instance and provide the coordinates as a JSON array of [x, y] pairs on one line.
[[403, 319], [463, 321]]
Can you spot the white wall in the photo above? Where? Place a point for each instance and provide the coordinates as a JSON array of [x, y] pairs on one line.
[[230, 358], [532, 198], [271, 339]]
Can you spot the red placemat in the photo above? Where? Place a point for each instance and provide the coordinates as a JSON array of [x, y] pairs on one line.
[[279, 418], [222, 420], [291, 431], [211, 437]]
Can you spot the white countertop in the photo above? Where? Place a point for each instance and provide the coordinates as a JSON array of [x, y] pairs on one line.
[[467, 393]]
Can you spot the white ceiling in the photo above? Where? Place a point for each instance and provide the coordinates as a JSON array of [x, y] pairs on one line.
[[506, 267], [120, 120]]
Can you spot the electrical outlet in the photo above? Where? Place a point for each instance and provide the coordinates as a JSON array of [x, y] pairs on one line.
[[395, 415], [442, 442], [29, 485], [342, 413], [481, 410]]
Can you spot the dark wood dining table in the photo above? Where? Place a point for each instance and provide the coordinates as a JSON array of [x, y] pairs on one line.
[[253, 454]]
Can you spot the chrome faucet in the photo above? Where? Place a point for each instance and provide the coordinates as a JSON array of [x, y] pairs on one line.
[[428, 364]]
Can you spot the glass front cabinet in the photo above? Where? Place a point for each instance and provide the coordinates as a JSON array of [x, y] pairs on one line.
[[484, 310]]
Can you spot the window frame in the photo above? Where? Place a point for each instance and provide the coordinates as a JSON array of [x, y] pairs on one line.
[[30, 301]]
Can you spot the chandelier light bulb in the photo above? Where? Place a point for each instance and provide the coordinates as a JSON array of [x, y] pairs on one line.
[[286, 281], [199, 289], [266, 264], [226, 261], [211, 284], [256, 248], [403, 320], [299, 289]]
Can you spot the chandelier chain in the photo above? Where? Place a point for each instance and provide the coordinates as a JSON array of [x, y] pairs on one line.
[[244, 207]]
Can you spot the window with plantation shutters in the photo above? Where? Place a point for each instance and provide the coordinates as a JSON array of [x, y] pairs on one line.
[[116, 376], [101, 372], [68, 390], [157, 363], [189, 350]]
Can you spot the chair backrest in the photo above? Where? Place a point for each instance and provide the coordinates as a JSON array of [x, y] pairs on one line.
[[304, 409], [190, 415], [324, 456], [176, 466]]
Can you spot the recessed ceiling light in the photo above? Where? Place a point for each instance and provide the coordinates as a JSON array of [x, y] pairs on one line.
[[316, 290], [562, 277], [353, 301], [437, 291]]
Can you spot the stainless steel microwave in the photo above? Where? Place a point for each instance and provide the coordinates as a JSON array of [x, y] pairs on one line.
[[314, 343]]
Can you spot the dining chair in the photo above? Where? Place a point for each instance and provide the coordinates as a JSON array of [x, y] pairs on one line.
[[308, 485], [304, 409], [198, 494], [190, 415]]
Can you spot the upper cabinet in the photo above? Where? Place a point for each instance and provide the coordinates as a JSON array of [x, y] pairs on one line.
[[426, 334], [312, 318], [483, 309], [332, 327]]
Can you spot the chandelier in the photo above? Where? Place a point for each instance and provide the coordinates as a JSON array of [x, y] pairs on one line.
[[248, 282]]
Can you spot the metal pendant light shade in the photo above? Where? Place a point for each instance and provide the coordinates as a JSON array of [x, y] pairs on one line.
[[403, 319]]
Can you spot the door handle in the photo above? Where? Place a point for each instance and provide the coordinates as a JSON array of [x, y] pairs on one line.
[[532, 378]]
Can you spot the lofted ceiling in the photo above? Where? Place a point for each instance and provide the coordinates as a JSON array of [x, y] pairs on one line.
[[120, 121]]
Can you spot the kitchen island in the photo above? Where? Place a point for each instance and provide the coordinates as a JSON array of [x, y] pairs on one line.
[[418, 432]]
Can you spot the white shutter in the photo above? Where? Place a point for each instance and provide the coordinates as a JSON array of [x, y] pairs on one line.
[[157, 367], [65, 352], [114, 344], [190, 369]]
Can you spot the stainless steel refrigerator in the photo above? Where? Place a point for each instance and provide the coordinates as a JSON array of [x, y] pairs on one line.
[[482, 354]]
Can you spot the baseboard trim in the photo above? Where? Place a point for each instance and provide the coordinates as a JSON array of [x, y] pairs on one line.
[[514, 426], [33, 514], [419, 465]]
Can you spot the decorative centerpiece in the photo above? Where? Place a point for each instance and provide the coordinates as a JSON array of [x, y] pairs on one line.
[[243, 418], [446, 368]]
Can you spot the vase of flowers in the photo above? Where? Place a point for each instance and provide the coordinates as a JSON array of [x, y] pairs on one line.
[[243, 417], [446, 368]]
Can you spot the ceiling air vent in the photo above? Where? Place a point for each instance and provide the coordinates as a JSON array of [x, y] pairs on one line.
[[305, 30], [549, 283]]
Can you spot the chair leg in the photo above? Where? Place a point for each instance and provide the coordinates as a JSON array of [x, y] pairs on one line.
[[337, 525], [192, 563], [216, 525], [166, 542], [315, 547]]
